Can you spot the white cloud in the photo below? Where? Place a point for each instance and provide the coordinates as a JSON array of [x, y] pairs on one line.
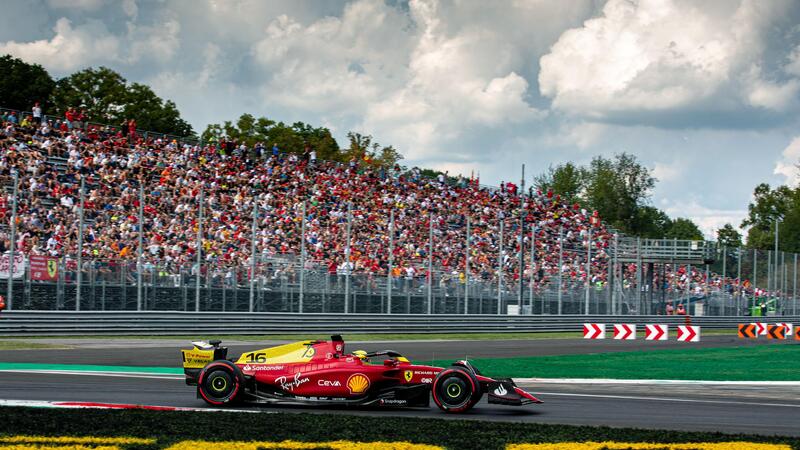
[[708, 219], [130, 8], [666, 172], [86, 5], [70, 48], [159, 41], [787, 166], [663, 55]]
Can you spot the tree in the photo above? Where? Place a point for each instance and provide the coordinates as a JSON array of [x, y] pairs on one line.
[[108, 98], [565, 180], [768, 205], [651, 222], [23, 84], [727, 236], [617, 188], [370, 153], [684, 229], [289, 138]]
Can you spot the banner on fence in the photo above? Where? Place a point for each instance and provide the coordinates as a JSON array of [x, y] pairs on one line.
[[17, 268], [776, 332], [625, 332], [656, 332], [44, 268], [747, 331], [688, 333], [594, 331]]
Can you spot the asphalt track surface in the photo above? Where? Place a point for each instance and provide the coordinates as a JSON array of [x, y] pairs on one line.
[[725, 408]]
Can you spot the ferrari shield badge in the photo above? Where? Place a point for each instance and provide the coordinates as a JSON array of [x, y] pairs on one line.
[[408, 375]]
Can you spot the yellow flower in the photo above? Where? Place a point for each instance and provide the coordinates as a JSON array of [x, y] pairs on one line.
[[648, 446]]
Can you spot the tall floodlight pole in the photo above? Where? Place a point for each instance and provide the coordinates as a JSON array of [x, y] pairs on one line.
[[430, 264], [775, 270], [80, 247], [10, 293], [199, 250], [724, 267], [755, 272], [302, 255], [140, 249], [500, 267], [391, 264], [253, 239], [588, 271], [794, 288], [560, 265], [347, 260], [466, 274], [522, 213], [533, 264]]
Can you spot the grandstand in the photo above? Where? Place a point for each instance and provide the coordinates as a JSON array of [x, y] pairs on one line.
[[172, 224]]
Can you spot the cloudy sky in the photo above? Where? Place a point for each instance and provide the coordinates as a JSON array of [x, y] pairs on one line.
[[706, 93]]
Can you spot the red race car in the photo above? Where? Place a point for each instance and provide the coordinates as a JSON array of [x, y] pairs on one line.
[[321, 373]]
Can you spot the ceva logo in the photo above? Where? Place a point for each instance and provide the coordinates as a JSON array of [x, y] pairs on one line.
[[328, 383]]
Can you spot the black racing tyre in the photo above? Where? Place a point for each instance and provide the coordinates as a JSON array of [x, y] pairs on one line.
[[456, 390], [220, 383]]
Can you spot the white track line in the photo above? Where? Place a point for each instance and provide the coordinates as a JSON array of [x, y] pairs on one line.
[[590, 381], [667, 399], [104, 405]]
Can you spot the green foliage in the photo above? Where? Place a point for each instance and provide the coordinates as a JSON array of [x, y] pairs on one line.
[[727, 236], [363, 149], [170, 427], [23, 84], [108, 98], [566, 180], [682, 228], [651, 222], [251, 130], [769, 205], [617, 188]]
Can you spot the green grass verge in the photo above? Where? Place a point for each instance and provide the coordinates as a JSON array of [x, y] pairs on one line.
[[15, 344], [752, 363], [364, 337], [171, 427]]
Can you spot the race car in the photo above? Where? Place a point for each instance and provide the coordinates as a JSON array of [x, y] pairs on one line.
[[316, 372]]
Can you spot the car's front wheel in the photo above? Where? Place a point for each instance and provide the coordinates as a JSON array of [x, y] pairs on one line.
[[456, 390], [220, 383]]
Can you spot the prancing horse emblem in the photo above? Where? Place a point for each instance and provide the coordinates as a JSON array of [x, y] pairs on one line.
[[408, 375]]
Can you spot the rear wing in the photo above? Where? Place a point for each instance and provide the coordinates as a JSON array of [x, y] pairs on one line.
[[199, 356]]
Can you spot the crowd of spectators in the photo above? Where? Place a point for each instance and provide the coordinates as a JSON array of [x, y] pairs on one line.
[[118, 165]]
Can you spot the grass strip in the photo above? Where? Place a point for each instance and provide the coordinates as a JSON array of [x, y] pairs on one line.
[[169, 428], [14, 344], [363, 337], [752, 363]]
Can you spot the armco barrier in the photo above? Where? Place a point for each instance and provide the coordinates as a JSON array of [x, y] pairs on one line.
[[203, 323]]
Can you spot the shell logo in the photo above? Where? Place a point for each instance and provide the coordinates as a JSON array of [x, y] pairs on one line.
[[358, 383]]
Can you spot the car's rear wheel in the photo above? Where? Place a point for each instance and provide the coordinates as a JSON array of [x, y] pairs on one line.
[[456, 390], [220, 383]]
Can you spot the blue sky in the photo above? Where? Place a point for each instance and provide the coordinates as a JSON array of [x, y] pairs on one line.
[[707, 94]]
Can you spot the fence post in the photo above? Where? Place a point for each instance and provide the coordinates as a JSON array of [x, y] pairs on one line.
[[560, 264], [639, 275], [347, 261], [755, 272], [199, 250], [533, 265], [139, 250], [588, 271], [794, 288], [12, 247], [614, 275], [724, 270], [739, 282], [253, 238], [430, 264], [391, 263], [302, 256], [500, 266], [79, 277], [466, 273], [769, 273]]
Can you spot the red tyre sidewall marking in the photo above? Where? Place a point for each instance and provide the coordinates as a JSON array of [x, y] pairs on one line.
[[200, 382], [436, 398]]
